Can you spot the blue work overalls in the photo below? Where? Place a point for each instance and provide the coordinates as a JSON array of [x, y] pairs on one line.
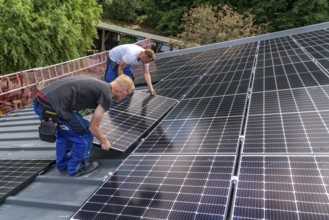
[[112, 72], [73, 142]]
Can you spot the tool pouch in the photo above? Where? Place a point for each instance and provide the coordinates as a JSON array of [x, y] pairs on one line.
[[47, 131], [48, 125]]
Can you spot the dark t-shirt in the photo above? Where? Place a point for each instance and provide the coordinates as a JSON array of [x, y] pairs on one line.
[[78, 94]]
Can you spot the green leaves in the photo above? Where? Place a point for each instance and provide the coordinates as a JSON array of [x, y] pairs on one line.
[[37, 33]]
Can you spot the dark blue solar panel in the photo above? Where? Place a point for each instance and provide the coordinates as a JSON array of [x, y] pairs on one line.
[[288, 133], [218, 89], [16, 174], [126, 122], [285, 187], [163, 187], [220, 106], [212, 135], [265, 102], [145, 105]]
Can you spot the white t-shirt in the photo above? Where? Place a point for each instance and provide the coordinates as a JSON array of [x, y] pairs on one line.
[[128, 53]]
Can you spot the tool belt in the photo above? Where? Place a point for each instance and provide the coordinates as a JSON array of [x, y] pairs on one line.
[[48, 125]]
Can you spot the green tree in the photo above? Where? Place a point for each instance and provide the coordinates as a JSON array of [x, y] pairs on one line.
[[169, 14], [121, 10], [286, 14], [207, 24], [37, 33]]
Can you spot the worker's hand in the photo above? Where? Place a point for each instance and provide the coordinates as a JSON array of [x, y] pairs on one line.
[[152, 91], [106, 145]]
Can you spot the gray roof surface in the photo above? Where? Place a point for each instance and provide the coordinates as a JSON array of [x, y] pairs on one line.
[[56, 196], [53, 195]]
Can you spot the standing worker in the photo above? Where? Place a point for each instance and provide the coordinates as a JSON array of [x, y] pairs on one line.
[[121, 59], [61, 107]]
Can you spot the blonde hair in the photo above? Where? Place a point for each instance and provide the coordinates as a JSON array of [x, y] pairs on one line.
[[150, 54], [126, 82]]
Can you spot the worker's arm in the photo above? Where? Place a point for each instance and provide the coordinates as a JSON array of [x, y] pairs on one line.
[[148, 80], [121, 67], [95, 129]]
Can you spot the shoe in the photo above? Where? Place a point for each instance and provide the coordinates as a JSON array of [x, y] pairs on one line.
[[88, 169], [63, 172]]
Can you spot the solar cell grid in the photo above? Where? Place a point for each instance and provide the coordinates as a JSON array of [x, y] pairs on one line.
[[157, 72], [162, 73], [288, 133], [123, 129], [209, 135], [231, 66], [279, 50], [225, 77], [175, 88], [316, 44], [282, 188], [210, 56], [190, 71], [15, 174], [145, 105], [126, 122], [208, 107], [294, 100], [298, 74], [288, 115], [218, 89], [238, 51], [163, 187]]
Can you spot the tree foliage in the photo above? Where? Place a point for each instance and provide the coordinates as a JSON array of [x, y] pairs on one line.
[[37, 33], [206, 25], [284, 14], [122, 10], [165, 15]]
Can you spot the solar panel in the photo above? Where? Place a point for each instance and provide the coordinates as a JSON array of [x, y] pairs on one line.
[[316, 44], [294, 100], [265, 102], [288, 107], [161, 69], [174, 88], [126, 122], [236, 58], [16, 174], [282, 187], [209, 107], [209, 135], [288, 133], [145, 105], [218, 89], [123, 129], [163, 187], [138, 71]]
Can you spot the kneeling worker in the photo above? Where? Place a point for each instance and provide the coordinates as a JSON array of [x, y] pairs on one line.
[[64, 103]]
